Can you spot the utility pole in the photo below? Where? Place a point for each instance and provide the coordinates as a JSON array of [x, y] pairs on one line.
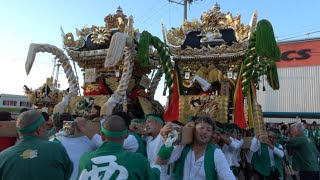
[[184, 4], [185, 14]]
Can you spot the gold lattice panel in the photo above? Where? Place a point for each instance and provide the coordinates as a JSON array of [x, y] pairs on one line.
[[214, 106]]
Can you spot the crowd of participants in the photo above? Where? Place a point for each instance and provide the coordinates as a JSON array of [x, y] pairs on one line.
[[218, 151]]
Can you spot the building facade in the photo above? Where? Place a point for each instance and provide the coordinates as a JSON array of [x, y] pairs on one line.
[[14, 103], [299, 76]]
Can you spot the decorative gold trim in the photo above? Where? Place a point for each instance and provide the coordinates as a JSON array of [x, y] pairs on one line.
[[100, 35], [211, 22], [196, 105]]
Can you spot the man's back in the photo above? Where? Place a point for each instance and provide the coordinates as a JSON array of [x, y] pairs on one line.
[[33, 158], [305, 154], [76, 147], [110, 161]]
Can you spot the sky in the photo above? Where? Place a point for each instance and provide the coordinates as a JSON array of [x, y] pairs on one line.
[[39, 21]]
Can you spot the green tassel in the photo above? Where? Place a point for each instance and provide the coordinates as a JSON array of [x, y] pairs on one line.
[[146, 39], [165, 152], [266, 45], [143, 50]]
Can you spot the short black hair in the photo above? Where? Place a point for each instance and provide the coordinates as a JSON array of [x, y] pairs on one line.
[[219, 124], [23, 110], [5, 116], [65, 116], [58, 121], [177, 123], [98, 108], [275, 130], [45, 116], [228, 126]]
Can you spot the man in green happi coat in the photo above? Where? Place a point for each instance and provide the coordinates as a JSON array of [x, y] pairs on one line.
[[110, 161], [305, 156], [314, 134], [267, 156], [34, 157]]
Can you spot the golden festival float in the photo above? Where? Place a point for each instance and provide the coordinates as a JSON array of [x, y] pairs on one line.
[[114, 79], [219, 63], [212, 67]]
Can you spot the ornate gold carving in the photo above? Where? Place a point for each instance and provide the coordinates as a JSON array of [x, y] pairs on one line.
[[113, 83], [237, 48], [196, 105], [211, 22], [176, 36], [100, 35], [80, 104], [116, 21], [241, 30], [150, 106], [69, 40], [213, 19], [44, 96]]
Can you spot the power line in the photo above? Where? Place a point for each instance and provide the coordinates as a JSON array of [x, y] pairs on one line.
[[300, 32], [143, 17], [153, 15], [150, 17], [301, 29], [180, 3], [306, 34]]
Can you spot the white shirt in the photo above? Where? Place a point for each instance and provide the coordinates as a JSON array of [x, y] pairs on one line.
[[256, 144], [236, 155], [249, 155], [194, 169], [230, 152], [130, 144], [76, 147], [152, 147]]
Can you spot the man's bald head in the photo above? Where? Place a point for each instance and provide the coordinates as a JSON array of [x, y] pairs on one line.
[[115, 124], [27, 118], [30, 122]]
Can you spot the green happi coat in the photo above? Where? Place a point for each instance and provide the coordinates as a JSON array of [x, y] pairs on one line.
[[305, 154], [110, 161], [142, 148], [209, 166], [34, 158], [261, 161], [315, 136], [51, 133]]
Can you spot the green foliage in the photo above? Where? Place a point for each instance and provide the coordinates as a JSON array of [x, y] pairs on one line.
[[146, 39], [266, 45], [260, 58]]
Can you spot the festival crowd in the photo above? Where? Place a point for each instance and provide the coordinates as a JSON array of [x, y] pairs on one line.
[[216, 150]]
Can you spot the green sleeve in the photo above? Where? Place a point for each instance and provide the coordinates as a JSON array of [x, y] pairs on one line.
[[152, 173], [297, 141], [82, 163], [165, 152], [67, 163]]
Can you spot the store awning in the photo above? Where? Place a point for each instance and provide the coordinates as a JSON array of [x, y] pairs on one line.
[[291, 117], [307, 115]]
